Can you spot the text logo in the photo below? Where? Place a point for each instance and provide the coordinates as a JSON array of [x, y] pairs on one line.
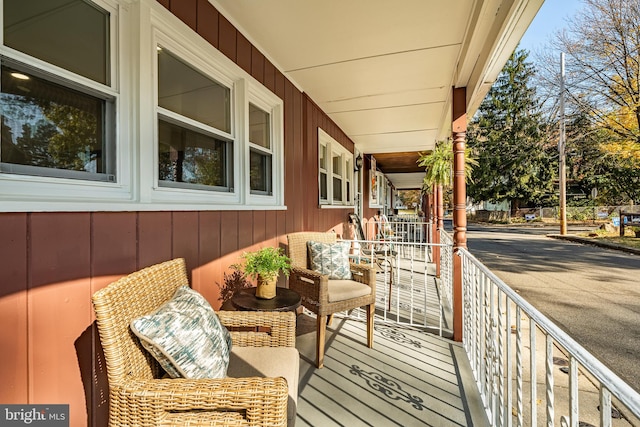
[[34, 415]]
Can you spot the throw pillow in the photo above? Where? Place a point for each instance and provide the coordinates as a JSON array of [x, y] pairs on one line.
[[330, 258], [186, 337]]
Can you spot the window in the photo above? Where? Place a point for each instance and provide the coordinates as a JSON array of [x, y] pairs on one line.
[[194, 124], [324, 171], [113, 105], [57, 106], [335, 172], [218, 134], [260, 151]]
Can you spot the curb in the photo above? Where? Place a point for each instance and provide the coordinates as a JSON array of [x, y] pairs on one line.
[[594, 242]]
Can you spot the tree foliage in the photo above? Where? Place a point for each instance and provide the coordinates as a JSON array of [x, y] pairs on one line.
[[602, 48], [507, 137]]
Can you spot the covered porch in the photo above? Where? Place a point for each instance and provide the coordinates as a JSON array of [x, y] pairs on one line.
[[335, 82]]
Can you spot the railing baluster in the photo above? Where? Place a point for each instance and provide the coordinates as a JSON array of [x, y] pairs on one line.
[[532, 371], [501, 360], [605, 407], [573, 392], [519, 369], [508, 360], [549, 381]]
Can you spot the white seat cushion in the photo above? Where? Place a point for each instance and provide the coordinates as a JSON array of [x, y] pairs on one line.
[[340, 290], [268, 362]]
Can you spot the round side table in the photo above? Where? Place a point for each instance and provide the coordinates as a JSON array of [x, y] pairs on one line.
[[285, 300]]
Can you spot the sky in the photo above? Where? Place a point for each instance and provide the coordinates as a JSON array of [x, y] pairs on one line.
[[551, 17]]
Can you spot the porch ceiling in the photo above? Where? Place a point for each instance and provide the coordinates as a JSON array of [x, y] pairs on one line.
[[382, 70]]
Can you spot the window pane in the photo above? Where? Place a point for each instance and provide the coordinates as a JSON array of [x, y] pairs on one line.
[[50, 126], [337, 164], [337, 189], [323, 186], [259, 121], [41, 28], [323, 157], [186, 91], [260, 174], [191, 157]]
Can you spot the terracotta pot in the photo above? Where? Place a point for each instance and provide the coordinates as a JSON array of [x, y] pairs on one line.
[[266, 288]]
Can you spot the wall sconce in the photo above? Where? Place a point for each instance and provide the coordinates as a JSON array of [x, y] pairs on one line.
[[358, 163]]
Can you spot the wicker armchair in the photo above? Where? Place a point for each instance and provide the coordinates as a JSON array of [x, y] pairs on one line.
[[138, 394], [316, 289]]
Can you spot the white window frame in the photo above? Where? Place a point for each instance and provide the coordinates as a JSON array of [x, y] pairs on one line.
[[136, 29], [165, 35], [268, 102], [334, 148], [45, 193]]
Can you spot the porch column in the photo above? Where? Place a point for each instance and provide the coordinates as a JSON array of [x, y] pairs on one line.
[[459, 130]]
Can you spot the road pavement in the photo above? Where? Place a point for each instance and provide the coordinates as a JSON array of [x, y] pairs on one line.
[[592, 293]]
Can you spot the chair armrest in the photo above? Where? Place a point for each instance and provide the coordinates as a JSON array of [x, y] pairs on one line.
[[161, 400], [364, 273], [282, 327], [312, 286]]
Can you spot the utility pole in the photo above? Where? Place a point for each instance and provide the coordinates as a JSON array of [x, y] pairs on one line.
[[561, 150]]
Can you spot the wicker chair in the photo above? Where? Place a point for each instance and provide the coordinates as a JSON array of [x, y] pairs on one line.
[[316, 289], [138, 394]]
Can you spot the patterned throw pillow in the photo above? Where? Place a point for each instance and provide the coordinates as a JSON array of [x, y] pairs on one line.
[[186, 337], [330, 258]]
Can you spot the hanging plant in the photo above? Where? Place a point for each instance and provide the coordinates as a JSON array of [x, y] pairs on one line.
[[438, 165]]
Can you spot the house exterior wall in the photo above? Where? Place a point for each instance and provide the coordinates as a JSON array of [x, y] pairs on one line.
[[52, 262]]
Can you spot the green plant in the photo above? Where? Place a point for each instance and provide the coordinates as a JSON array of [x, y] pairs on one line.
[[233, 283], [266, 263], [438, 165]]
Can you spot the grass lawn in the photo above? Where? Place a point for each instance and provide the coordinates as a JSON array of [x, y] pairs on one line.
[[628, 240]]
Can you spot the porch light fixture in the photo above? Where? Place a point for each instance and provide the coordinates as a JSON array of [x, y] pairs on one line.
[[20, 76], [358, 163]]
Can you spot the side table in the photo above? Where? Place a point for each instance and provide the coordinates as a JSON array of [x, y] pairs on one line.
[[285, 300]]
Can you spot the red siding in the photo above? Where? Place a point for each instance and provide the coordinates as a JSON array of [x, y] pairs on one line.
[[207, 22], [243, 53], [13, 308], [53, 262]]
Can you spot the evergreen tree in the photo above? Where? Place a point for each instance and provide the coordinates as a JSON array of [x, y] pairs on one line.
[[507, 139]]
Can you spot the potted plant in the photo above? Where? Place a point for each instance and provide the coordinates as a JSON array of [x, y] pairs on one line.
[[636, 230], [265, 265]]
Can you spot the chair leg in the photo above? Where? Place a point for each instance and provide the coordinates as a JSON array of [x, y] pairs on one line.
[[329, 319], [322, 327], [370, 315]]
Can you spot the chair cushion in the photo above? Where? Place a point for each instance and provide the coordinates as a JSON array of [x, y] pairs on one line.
[[269, 362], [340, 290], [330, 258], [186, 337]]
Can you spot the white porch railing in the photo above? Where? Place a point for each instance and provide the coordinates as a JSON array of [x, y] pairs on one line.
[[407, 290], [510, 344]]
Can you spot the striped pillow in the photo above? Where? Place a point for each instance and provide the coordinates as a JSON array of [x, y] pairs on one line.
[[186, 337], [331, 259]]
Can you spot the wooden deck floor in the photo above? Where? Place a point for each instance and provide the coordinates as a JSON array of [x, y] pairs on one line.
[[409, 378]]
